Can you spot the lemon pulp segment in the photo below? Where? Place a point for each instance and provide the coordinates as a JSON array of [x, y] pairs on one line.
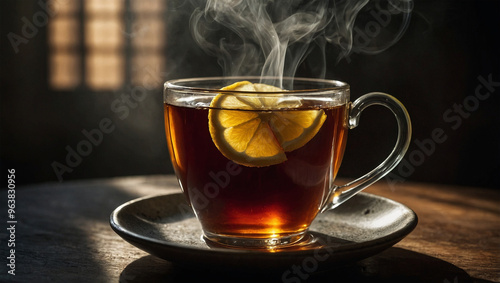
[[256, 131]]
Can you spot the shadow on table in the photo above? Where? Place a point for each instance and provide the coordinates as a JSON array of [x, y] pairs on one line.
[[61, 229], [392, 265]]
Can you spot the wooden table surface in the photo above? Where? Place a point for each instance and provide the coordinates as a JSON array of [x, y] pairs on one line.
[[62, 234]]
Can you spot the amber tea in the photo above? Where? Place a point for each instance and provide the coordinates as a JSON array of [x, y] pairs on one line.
[[231, 199]]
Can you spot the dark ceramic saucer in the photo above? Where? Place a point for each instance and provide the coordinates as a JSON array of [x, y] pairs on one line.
[[165, 227]]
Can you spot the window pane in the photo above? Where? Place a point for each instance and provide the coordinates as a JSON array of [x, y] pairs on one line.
[[103, 32], [106, 36], [146, 6], [148, 32], [106, 7], [104, 39], [64, 7], [64, 70], [104, 70], [64, 40], [63, 32], [148, 69]]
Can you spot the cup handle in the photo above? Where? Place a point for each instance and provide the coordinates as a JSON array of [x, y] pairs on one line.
[[339, 194]]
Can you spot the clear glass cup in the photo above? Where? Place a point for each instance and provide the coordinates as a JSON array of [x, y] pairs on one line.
[[245, 200]]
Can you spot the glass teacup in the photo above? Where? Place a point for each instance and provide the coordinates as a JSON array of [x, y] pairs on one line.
[[257, 163]]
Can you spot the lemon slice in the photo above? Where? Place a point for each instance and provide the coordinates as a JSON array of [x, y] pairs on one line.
[[256, 131]]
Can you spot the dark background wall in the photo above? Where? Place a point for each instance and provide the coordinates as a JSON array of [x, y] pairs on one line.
[[438, 69]]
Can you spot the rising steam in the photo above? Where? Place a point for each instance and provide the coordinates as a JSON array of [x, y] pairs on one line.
[[272, 37]]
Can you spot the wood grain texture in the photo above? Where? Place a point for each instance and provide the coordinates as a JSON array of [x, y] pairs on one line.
[[63, 235]]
